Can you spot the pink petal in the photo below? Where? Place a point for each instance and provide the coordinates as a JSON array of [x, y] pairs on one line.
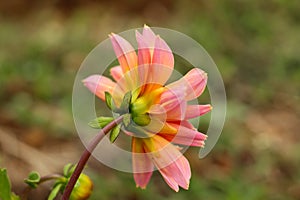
[[156, 57], [193, 111], [98, 85], [149, 36], [124, 51], [142, 164], [146, 42], [173, 102], [194, 81], [185, 136], [173, 166], [144, 50], [162, 53], [144, 60], [116, 72], [162, 63], [171, 98], [177, 174], [185, 123]]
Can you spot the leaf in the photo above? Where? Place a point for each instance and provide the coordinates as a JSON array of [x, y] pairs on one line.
[[5, 189], [33, 179], [108, 100], [126, 119], [126, 102], [115, 133], [68, 170], [55, 191], [100, 122]]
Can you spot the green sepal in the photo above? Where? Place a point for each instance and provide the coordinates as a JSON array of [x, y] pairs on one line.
[[135, 94], [142, 119], [100, 122], [126, 119], [109, 100], [56, 189], [126, 102], [137, 131], [33, 179], [114, 133]]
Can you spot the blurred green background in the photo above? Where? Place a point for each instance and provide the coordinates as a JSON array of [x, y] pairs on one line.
[[254, 43]]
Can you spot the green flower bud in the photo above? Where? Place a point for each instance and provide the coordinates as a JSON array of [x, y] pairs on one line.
[[83, 188]]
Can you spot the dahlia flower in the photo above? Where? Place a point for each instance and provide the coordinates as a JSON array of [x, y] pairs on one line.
[[156, 113]]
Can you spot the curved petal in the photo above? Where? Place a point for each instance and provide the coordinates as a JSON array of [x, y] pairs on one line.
[[142, 164], [173, 102], [185, 136], [162, 63], [144, 50], [171, 98], [116, 72], [194, 81], [124, 51], [144, 60], [146, 42], [98, 85], [156, 58], [162, 53], [193, 111], [184, 123], [149, 36], [177, 174], [167, 158]]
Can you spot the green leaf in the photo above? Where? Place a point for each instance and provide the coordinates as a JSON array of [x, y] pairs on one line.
[[126, 102], [100, 122], [108, 100], [68, 170], [126, 119], [5, 189], [33, 179], [115, 133], [55, 191]]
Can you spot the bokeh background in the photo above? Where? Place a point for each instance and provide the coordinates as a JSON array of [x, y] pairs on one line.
[[254, 43]]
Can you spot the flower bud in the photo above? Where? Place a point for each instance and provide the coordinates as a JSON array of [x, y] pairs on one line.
[[83, 188]]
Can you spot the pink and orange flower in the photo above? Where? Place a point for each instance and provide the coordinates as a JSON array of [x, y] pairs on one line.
[[159, 113]]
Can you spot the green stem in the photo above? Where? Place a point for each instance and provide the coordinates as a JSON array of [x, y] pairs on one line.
[[86, 155]]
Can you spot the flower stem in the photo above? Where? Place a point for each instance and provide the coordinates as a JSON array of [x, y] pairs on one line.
[[86, 155]]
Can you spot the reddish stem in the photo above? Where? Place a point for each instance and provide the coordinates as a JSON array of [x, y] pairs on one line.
[[86, 155]]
